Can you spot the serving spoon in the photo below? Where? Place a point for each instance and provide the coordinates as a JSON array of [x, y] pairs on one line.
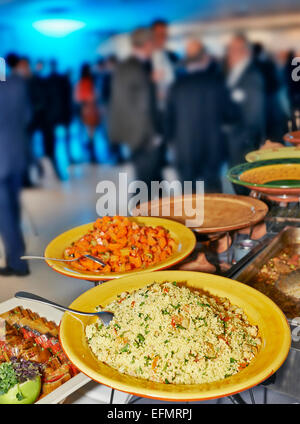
[[105, 316], [93, 258]]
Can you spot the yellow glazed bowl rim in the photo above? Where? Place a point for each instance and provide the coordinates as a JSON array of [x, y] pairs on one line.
[[262, 311], [185, 238]]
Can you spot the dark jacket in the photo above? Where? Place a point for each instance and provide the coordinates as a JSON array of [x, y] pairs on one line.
[[248, 128], [275, 114], [59, 99], [194, 117], [172, 57], [132, 114], [14, 118]]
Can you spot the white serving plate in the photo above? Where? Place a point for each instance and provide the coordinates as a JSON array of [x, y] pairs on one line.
[[51, 314]]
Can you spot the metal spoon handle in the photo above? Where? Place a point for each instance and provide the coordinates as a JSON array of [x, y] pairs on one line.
[[51, 259], [93, 258], [31, 296]]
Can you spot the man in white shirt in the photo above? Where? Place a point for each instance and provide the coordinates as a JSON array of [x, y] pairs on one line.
[[163, 65], [163, 62]]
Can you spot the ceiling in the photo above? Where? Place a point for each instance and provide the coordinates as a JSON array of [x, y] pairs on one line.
[[111, 16], [100, 19]]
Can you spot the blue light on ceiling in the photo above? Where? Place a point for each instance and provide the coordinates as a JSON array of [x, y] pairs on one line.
[[58, 27]]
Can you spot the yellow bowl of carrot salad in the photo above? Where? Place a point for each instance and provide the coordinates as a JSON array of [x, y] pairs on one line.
[[124, 244]]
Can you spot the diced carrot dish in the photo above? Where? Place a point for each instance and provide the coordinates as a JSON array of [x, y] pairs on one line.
[[122, 244]]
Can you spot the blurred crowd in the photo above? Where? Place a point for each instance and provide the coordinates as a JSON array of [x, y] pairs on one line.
[[195, 112], [198, 111], [155, 108]]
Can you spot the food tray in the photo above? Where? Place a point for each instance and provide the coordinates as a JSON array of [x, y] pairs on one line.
[[289, 236], [51, 314]]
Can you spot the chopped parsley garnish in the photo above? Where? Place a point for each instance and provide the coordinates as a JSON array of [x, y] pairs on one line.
[[180, 327], [8, 378], [141, 337], [125, 348], [147, 360], [204, 305], [15, 372], [19, 396]]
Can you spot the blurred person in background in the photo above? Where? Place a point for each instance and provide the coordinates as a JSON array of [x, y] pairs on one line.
[[59, 110], [104, 73], [281, 60], [99, 72], [132, 114], [86, 98], [246, 90], [67, 108], [14, 118], [38, 97], [24, 68], [163, 62], [110, 67], [38, 122], [293, 86], [194, 118], [275, 113]]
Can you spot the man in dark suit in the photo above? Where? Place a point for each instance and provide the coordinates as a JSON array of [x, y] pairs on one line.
[[275, 115], [58, 92], [132, 110], [245, 85], [194, 118], [14, 117]]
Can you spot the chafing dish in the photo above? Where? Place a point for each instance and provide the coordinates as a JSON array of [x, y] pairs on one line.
[[286, 380]]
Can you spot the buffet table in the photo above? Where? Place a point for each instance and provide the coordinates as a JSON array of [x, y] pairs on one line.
[[227, 253], [237, 261]]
